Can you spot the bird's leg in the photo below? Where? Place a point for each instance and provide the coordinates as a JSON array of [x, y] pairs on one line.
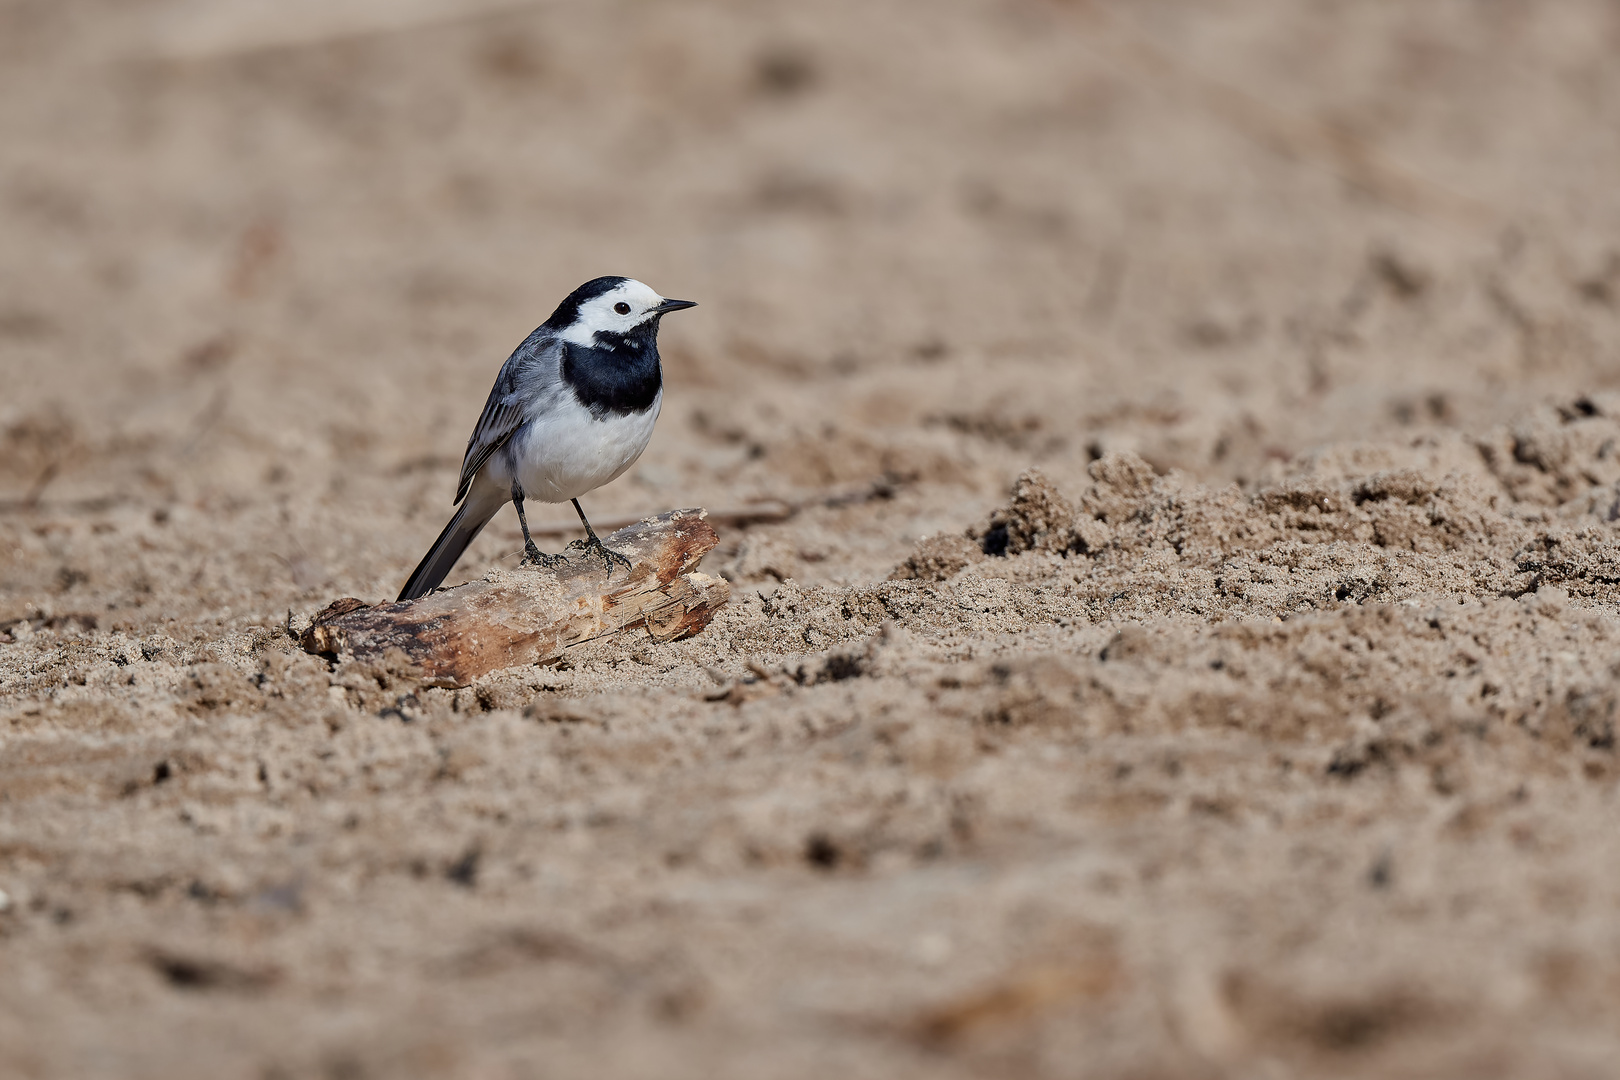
[[531, 554], [594, 544]]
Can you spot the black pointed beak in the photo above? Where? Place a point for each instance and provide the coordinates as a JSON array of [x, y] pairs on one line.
[[673, 305]]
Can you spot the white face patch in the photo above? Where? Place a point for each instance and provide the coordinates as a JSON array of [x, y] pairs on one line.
[[601, 313]]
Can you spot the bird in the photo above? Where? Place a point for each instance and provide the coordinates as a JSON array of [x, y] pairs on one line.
[[572, 408]]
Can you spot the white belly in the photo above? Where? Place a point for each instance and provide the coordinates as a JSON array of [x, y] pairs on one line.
[[569, 452]]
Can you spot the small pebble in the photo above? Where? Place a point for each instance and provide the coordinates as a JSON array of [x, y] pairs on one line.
[[5, 900]]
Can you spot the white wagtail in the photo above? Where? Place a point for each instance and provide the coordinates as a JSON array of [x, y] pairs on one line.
[[572, 409]]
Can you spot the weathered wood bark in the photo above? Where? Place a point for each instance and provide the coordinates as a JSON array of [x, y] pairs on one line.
[[530, 615]]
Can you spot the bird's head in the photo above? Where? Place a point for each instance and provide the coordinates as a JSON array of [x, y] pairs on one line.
[[615, 307]]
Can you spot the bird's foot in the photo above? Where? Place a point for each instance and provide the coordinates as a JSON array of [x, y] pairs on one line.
[[594, 546], [533, 556]]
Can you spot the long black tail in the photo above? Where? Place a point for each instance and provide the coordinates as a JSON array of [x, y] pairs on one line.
[[471, 517]]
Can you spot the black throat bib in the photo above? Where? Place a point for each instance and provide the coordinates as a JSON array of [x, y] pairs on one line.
[[617, 376]]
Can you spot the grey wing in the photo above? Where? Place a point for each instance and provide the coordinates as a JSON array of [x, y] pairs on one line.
[[503, 414], [510, 399]]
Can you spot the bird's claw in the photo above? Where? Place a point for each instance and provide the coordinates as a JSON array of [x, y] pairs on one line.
[[533, 556], [594, 546]]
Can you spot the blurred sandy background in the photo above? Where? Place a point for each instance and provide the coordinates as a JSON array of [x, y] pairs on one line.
[[1273, 736]]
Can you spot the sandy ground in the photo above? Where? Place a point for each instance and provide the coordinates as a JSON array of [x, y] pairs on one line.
[[1192, 651]]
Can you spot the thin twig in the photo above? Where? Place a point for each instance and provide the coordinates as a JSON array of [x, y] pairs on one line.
[[35, 493], [754, 513], [205, 420], [761, 512]]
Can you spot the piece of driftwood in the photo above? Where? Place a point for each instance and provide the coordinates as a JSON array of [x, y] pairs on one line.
[[530, 615]]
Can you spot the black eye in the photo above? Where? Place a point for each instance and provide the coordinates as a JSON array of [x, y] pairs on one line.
[[622, 308]]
